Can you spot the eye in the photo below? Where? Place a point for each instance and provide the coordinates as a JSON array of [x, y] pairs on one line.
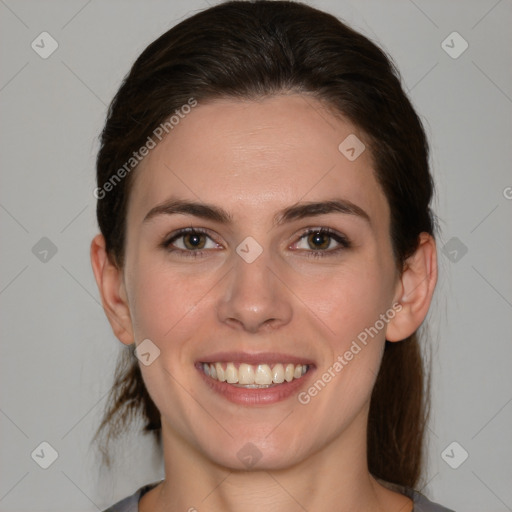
[[190, 240], [322, 242]]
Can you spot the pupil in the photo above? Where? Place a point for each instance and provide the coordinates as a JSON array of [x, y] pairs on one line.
[[194, 241], [319, 240]]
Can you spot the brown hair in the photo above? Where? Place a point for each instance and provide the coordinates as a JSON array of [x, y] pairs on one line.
[[249, 50]]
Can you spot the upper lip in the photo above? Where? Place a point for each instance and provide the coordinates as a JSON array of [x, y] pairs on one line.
[[254, 358]]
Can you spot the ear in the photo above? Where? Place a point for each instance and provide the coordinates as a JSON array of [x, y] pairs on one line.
[[415, 290], [109, 279]]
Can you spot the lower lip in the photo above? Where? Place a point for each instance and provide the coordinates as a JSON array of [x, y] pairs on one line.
[[256, 396]]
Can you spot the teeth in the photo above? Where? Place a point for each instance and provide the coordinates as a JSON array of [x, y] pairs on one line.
[[251, 376], [252, 386], [288, 373], [263, 374], [278, 374], [246, 374], [231, 374], [221, 374]]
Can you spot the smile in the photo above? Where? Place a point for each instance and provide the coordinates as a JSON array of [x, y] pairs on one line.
[[252, 376]]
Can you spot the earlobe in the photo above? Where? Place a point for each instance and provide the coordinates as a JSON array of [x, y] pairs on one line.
[[109, 279], [415, 290]]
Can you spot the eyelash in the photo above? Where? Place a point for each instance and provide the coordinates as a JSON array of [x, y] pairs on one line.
[[343, 242]]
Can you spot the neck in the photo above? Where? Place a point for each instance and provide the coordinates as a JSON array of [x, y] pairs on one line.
[[334, 477]]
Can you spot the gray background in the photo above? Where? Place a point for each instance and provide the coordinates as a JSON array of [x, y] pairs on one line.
[[58, 352]]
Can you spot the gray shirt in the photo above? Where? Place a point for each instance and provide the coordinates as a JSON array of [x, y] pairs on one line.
[[421, 503]]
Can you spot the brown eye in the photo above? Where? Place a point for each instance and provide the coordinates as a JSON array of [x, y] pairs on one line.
[[319, 240], [190, 241], [194, 241]]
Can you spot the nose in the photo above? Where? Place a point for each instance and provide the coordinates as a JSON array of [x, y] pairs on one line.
[[254, 297]]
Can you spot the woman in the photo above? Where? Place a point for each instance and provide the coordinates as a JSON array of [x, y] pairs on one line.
[[267, 244]]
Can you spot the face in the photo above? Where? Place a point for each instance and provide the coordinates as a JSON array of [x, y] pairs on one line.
[[256, 246]]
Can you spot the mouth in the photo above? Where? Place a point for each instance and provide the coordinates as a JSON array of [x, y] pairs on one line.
[[252, 376], [255, 382]]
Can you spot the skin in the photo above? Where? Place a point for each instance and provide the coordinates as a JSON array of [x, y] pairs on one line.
[[253, 159]]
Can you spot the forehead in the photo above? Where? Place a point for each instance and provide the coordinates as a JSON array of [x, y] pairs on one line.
[[256, 157]]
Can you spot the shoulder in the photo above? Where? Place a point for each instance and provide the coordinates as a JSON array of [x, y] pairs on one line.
[[421, 502], [131, 503]]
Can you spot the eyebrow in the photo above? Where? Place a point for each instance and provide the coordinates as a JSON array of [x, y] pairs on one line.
[[294, 212]]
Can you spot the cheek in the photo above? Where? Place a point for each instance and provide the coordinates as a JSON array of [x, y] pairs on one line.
[[348, 300], [175, 312], [163, 299], [355, 303], [155, 306], [351, 305]]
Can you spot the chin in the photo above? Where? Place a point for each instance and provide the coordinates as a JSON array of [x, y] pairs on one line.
[[256, 453]]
